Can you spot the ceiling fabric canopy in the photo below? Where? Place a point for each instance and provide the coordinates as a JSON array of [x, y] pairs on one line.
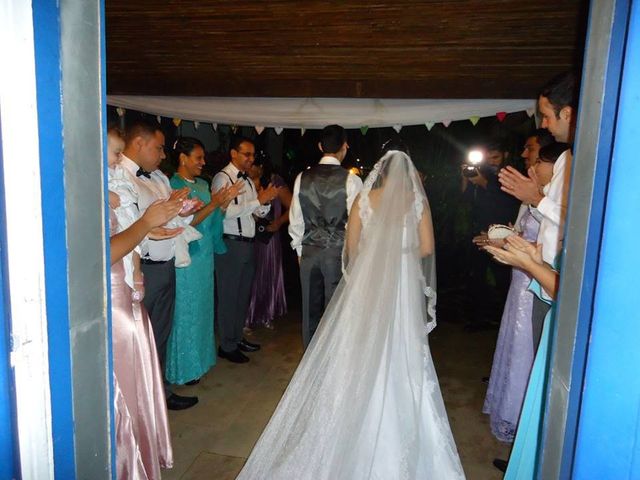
[[318, 112]]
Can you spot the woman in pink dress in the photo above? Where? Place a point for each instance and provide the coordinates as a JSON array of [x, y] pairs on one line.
[[143, 441]]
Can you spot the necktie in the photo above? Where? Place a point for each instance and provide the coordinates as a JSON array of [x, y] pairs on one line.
[[142, 173]]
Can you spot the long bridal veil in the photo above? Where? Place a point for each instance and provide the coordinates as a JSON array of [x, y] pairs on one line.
[[365, 402]]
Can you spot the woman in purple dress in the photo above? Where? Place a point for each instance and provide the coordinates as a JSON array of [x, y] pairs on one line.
[[268, 300], [515, 351]]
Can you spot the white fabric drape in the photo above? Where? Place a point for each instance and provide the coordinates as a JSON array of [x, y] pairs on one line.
[[317, 112]]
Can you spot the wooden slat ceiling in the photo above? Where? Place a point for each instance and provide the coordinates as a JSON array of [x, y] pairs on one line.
[[376, 49]]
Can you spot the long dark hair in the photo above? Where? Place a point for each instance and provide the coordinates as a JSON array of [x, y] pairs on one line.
[[263, 160]]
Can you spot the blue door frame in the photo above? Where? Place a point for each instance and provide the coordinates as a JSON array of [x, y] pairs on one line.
[[608, 440], [8, 447]]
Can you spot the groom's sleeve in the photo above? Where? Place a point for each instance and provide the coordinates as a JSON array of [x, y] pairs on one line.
[[296, 220], [354, 185]]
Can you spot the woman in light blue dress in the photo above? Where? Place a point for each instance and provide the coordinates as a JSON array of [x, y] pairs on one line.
[[191, 344], [522, 254]]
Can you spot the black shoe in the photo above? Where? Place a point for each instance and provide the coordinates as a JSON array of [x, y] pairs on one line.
[[193, 382], [247, 346], [177, 402], [500, 464], [236, 356], [484, 380]]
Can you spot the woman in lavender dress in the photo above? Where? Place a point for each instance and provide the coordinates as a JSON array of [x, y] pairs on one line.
[[514, 351], [268, 300], [513, 358]]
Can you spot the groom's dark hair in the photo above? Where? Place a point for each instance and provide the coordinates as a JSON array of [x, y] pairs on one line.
[[332, 138]]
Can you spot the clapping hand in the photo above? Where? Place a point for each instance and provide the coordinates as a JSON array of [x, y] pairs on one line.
[[190, 206], [267, 194], [517, 252], [159, 213], [180, 194], [224, 196], [525, 189], [163, 233], [483, 239]]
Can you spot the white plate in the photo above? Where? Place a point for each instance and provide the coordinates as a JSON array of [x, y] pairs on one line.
[[499, 232]]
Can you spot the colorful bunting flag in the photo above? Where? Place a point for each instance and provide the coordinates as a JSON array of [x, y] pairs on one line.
[[429, 125], [120, 111], [397, 128], [302, 130], [196, 125], [177, 122], [259, 129], [531, 111], [474, 120], [364, 129], [278, 130], [501, 116], [214, 126], [446, 123], [159, 118]]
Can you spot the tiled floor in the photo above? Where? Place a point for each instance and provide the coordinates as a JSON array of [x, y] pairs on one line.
[[213, 439]]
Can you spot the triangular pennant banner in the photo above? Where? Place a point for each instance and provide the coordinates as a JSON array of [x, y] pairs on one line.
[[531, 111], [302, 130], [120, 111], [501, 116], [177, 122], [196, 125], [446, 123], [397, 128], [278, 130], [364, 129], [234, 129], [214, 126], [429, 125], [474, 120], [159, 119], [259, 129]]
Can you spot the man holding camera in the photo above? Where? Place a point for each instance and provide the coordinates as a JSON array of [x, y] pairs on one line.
[[489, 282]]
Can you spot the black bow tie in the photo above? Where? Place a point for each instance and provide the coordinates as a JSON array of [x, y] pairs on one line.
[[142, 173], [243, 175]]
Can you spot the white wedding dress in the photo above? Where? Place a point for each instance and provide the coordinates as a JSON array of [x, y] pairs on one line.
[[365, 402]]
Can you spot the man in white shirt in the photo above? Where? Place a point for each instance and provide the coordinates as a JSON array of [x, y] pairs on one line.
[[557, 104], [235, 269], [322, 199], [143, 152]]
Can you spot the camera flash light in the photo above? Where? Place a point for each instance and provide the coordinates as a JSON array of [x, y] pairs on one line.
[[475, 157]]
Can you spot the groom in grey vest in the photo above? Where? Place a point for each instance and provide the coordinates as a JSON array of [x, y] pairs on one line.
[[322, 198]]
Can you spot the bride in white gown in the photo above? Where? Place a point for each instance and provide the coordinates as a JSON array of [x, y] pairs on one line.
[[365, 402]]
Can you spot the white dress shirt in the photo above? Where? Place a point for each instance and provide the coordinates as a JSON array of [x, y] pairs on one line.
[[296, 219], [552, 209], [148, 190], [243, 207]]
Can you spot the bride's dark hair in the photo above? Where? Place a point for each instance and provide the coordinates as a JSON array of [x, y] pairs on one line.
[[394, 144]]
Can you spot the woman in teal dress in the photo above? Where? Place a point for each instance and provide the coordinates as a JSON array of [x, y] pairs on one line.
[[523, 459], [191, 344]]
